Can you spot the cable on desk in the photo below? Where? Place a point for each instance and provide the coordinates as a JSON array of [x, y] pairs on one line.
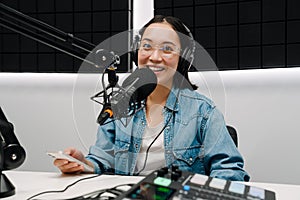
[[63, 190]]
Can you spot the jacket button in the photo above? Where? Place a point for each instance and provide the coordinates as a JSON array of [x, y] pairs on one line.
[[136, 145], [191, 159]]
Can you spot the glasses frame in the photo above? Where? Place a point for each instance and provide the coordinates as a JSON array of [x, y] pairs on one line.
[[161, 49]]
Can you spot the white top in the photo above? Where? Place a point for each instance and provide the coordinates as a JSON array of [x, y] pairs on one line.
[[156, 154]]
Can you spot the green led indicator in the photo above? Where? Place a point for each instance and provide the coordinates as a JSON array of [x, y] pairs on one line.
[[162, 181], [163, 189]]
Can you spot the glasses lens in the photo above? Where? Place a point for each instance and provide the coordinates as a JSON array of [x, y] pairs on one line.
[[165, 50]]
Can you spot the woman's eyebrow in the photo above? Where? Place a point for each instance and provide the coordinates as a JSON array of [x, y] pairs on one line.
[[147, 39], [165, 42]]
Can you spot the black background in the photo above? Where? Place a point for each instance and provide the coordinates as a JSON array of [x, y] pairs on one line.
[[238, 34]]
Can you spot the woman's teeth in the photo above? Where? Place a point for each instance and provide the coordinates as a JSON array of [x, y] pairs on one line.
[[156, 69]]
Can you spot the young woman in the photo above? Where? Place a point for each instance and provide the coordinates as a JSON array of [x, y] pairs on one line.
[[178, 126]]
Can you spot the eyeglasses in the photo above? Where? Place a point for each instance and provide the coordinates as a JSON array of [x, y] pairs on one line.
[[166, 50]]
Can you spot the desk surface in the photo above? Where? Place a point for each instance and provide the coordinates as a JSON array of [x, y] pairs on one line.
[[30, 183]]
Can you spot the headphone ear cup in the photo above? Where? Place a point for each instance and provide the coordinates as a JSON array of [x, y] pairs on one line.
[[186, 54], [134, 55], [186, 59], [134, 49]]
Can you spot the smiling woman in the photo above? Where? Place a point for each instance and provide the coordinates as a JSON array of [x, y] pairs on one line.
[[178, 126], [163, 62]]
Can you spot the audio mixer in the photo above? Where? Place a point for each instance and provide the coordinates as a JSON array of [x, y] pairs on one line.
[[175, 184]]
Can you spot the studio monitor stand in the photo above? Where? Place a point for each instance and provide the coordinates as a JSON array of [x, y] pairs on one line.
[[7, 188]]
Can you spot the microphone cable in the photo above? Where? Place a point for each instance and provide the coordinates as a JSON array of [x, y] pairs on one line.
[[98, 194], [148, 149], [63, 190], [168, 121]]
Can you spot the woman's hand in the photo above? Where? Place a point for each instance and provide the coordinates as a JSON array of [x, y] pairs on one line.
[[70, 167]]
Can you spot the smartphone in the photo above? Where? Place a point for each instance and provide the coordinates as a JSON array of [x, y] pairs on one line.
[[61, 155]]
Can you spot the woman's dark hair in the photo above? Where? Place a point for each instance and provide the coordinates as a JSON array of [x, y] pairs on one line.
[[185, 42]]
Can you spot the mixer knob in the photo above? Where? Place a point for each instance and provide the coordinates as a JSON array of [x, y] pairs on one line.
[[175, 176], [162, 172], [175, 167]]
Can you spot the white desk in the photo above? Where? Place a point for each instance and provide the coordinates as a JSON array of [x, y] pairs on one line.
[[30, 183]]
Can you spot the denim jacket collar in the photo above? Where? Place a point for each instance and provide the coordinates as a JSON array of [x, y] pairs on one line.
[[172, 103]]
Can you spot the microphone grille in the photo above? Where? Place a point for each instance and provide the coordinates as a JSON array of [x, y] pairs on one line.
[[145, 85]]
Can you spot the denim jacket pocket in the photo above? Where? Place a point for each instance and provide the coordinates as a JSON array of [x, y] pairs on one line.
[[190, 158], [189, 154]]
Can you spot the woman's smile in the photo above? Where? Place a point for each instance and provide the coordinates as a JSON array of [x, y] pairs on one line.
[[156, 68]]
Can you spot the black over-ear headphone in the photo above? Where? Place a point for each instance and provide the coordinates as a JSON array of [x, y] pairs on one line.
[[135, 48], [187, 54]]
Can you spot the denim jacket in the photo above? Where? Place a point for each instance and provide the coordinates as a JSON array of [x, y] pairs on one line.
[[195, 139]]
